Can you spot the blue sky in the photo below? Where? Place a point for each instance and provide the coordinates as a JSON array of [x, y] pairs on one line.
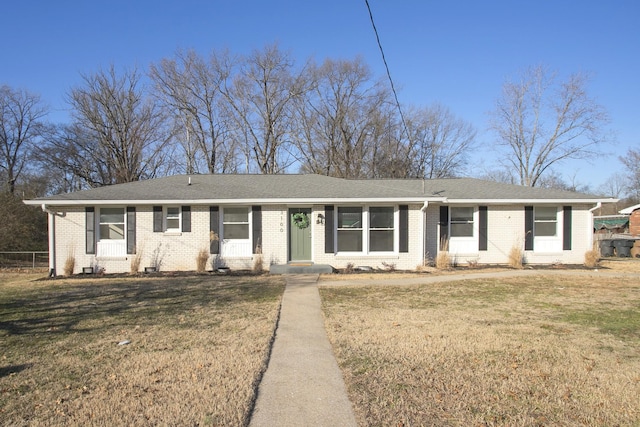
[[457, 53]]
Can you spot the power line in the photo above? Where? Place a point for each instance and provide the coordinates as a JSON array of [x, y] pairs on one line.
[[386, 66]]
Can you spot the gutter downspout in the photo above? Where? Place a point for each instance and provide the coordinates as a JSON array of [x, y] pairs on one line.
[[52, 239], [424, 230], [590, 231]]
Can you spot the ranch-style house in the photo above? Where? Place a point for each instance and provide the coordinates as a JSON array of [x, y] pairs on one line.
[[313, 220]]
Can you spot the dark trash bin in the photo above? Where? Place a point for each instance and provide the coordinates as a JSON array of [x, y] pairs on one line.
[[623, 247], [606, 247]]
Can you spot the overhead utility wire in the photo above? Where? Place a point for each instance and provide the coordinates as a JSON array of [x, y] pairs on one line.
[[384, 60]]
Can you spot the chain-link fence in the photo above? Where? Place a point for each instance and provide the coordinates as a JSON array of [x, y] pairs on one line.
[[25, 259]]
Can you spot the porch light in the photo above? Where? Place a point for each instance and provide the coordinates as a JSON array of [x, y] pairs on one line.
[[320, 219]]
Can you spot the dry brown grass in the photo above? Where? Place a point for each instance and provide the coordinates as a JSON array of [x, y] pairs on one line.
[[69, 265], [201, 260], [531, 351], [443, 260], [135, 262], [197, 347], [591, 258], [516, 256]]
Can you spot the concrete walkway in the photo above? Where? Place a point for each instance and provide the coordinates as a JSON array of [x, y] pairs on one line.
[[303, 385]]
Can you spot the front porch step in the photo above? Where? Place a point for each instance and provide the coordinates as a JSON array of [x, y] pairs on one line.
[[300, 268]]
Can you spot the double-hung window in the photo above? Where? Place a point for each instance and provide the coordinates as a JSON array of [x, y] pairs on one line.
[[545, 221], [349, 229], [172, 219], [381, 229], [111, 241], [461, 222], [235, 223], [366, 230], [112, 224]]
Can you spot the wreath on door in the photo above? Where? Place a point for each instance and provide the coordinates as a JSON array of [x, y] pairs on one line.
[[301, 220]]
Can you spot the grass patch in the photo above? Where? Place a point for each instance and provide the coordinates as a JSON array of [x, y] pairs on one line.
[[196, 348], [622, 323], [535, 350]]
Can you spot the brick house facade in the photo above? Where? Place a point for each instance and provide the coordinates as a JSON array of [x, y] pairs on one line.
[[278, 219]]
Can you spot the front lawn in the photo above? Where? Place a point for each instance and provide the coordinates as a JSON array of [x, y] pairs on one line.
[[133, 351], [529, 351]]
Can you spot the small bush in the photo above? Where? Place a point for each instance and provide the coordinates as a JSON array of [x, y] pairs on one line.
[[350, 268], [135, 262], [443, 260], [515, 257], [591, 258], [201, 260], [69, 265], [389, 266]]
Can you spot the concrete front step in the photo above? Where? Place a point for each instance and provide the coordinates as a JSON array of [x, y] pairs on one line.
[[300, 268]]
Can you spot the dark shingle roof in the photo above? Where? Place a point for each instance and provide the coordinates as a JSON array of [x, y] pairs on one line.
[[306, 188]]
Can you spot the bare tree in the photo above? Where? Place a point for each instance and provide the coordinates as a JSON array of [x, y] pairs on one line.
[[631, 162], [261, 98], [190, 87], [440, 142], [21, 115], [542, 123], [341, 119], [117, 135], [615, 186]]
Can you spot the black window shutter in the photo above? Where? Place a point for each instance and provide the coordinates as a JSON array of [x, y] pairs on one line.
[[131, 230], [186, 219], [157, 219], [214, 230], [566, 228], [90, 230], [444, 224], [528, 228], [483, 228], [404, 228], [328, 230], [256, 213]]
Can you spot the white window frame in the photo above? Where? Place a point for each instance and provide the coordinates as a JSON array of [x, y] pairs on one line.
[[236, 248], [464, 245], [166, 219], [548, 244], [106, 247], [394, 229], [537, 221], [473, 222], [365, 229]]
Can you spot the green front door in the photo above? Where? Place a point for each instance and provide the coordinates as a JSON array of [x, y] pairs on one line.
[[300, 234]]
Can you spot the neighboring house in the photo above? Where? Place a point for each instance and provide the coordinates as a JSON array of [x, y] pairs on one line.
[[605, 225], [166, 222], [633, 213]]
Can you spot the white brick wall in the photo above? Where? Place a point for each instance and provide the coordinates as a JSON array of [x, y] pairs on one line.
[[506, 230], [179, 251]]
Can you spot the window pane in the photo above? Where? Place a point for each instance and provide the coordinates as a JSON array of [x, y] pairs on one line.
[[112, 231], [349, 241], [173, 212], [462, 230], [111, 215], [236, 215], [173, 223], [546, 214], [350, 217], [545, 228], [381, 240], [381, 217], [462, 214], [236, 231]]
